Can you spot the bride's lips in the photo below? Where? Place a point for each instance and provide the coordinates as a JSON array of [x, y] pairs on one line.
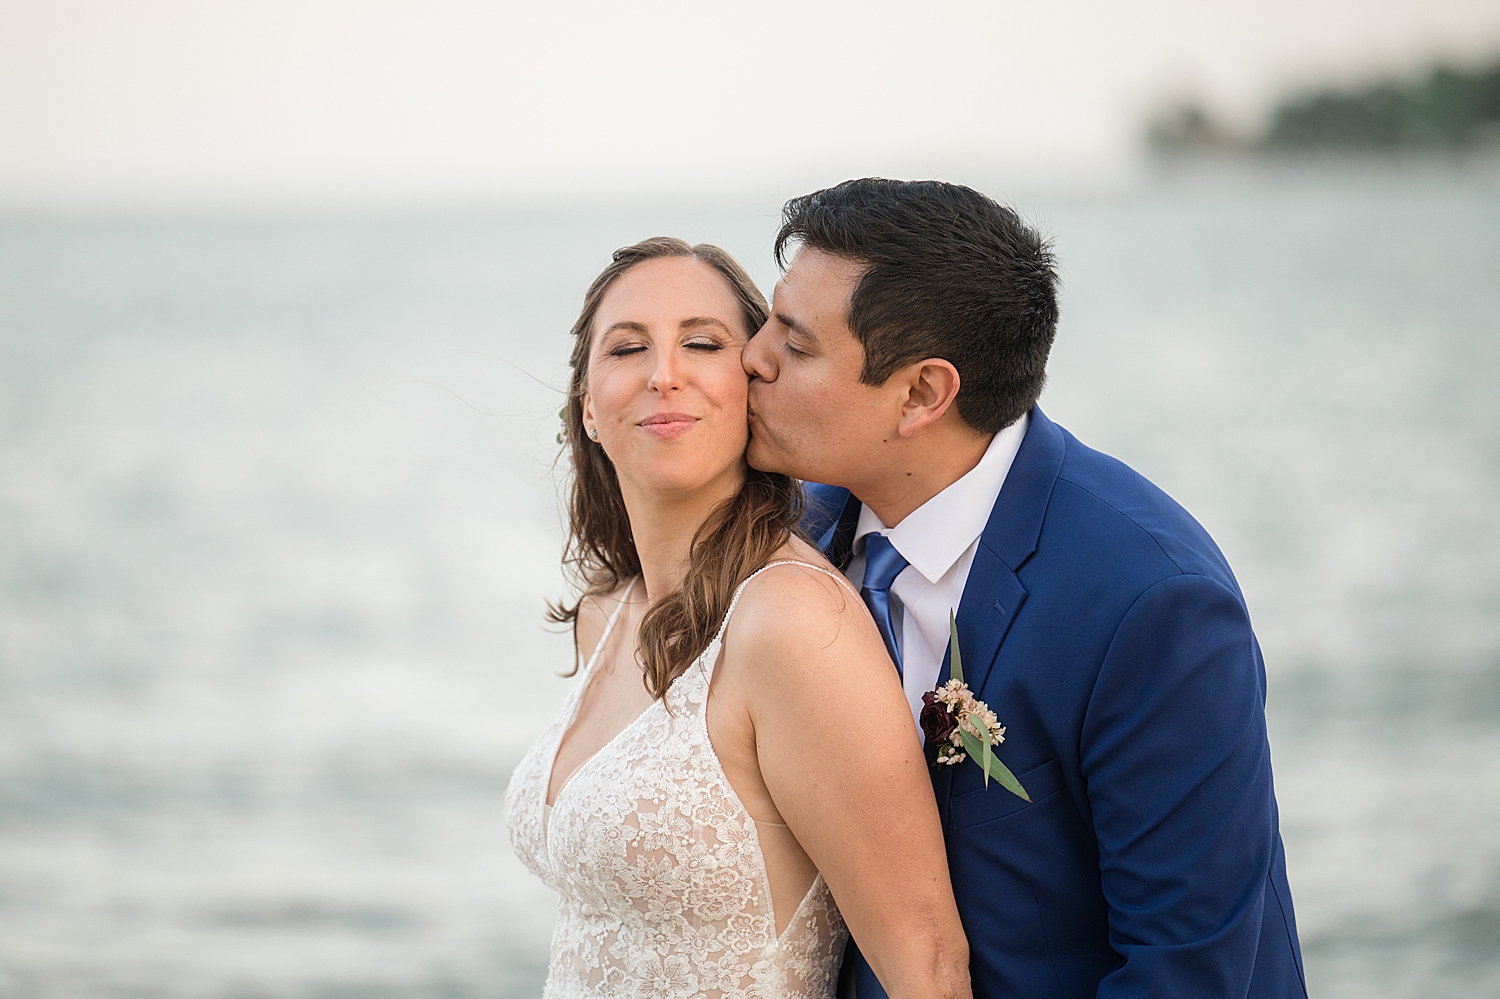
[[666, 426]]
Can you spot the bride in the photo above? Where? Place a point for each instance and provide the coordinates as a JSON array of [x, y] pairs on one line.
[[736, 777]]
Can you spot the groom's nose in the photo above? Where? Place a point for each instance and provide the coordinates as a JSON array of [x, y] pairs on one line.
[[758, 357]]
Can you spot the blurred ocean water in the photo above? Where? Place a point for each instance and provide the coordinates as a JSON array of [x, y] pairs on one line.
[[278, 515]]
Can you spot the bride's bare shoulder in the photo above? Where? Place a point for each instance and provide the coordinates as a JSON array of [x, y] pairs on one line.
[[795, 614], [808, 589]]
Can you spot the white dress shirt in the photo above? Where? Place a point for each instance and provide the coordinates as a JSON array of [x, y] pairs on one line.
[[939, 539]]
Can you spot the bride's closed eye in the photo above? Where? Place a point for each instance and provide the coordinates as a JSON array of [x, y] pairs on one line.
[[622, 343]]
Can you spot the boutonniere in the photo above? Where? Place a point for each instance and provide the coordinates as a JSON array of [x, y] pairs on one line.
[[962, 726]]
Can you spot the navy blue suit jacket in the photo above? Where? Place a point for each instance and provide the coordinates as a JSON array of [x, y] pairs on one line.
[[1104, 627]]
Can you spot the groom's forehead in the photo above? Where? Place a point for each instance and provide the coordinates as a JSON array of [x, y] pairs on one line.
[[816, 278]]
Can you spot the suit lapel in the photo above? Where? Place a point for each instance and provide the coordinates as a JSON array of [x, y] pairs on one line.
[[993, 594], [992, 597]]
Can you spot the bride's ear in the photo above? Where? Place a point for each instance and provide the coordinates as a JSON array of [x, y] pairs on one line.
[[931, 386], [587, 414]]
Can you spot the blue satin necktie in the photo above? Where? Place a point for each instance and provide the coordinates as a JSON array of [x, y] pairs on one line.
[[882, 565]]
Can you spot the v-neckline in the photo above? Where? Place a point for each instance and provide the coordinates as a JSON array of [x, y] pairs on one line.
[[588, 678], [573, 718], [568, 780]]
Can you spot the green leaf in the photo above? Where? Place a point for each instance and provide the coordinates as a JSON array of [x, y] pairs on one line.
[[991, 765], [979, 750], [975, 751], [955, 657]]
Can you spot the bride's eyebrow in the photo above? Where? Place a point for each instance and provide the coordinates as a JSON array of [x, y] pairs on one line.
[[625, 326], [697, 321]]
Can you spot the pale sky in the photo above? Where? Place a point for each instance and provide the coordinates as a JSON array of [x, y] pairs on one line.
[[152, 102]]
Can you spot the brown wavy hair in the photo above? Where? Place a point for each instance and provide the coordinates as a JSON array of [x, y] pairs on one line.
[[739, 537]]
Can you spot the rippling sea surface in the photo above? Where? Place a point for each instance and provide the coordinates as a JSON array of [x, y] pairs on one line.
[[278, 516]]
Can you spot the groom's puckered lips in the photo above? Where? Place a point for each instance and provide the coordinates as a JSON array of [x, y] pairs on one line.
[[667, 425]]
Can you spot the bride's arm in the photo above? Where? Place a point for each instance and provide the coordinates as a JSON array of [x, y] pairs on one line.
[[842, 761]]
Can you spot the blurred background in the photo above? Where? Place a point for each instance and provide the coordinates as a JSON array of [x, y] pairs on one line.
[[284, 298]]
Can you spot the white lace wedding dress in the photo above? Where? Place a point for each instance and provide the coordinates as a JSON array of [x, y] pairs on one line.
[[663, 889]]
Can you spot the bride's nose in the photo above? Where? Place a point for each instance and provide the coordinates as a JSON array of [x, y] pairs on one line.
[[665, 377]]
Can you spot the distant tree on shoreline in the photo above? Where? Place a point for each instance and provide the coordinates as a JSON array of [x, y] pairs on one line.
[[1448, 110]]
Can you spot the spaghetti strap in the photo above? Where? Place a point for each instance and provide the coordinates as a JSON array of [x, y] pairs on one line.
[[624, 598], [724, 625]]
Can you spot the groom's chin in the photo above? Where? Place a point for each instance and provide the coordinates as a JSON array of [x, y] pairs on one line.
[[762, 457]]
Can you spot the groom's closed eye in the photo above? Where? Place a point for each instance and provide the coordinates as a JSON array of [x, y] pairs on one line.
[[800, 340]]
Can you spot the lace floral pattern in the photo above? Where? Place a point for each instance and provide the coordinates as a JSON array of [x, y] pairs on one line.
[[662, 886]]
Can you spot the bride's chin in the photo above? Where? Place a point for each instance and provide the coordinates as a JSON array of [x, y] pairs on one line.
[[681, 480]]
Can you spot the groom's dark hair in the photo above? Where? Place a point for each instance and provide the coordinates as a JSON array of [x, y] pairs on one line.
[[951, 274]]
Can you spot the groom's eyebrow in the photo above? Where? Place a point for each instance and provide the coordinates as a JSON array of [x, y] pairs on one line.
[[796, 327]]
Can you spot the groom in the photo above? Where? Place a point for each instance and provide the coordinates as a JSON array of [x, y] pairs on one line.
[[901, 366]]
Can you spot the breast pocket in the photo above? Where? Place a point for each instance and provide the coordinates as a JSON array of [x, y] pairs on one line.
[[994, 802]]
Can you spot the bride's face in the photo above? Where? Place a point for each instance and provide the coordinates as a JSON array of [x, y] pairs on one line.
[[666, 389]]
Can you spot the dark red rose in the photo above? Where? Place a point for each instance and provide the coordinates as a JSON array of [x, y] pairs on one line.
[[937, 723]]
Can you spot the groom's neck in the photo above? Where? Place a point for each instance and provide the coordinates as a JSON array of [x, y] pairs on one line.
[[908, 471]]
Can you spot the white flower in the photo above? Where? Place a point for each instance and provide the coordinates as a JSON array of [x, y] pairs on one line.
[[970, 715], [668, 978]]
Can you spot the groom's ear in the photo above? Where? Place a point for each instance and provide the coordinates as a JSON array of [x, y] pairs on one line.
[[928, 389]]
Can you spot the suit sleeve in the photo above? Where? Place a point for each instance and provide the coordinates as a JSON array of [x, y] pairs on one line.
[[1178, 771]]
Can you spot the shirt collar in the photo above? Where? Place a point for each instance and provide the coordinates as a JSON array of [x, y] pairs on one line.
[[935, 534]]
